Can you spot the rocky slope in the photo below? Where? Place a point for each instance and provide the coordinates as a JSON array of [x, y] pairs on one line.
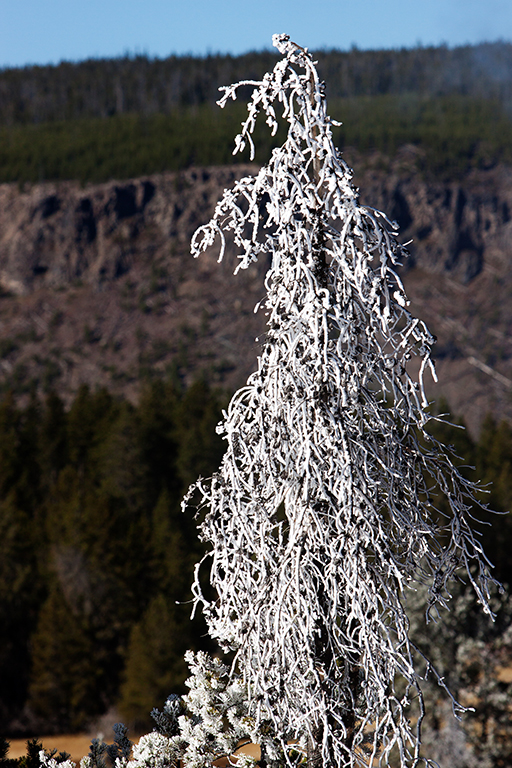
[[98, 285]]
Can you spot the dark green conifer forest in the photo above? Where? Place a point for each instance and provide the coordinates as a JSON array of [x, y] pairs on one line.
[[96, 556], [95, 552], [121, 118]]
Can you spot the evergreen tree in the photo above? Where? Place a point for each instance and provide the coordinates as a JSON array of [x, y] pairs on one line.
[[20, 594], [323, 513], [66, 687], [177, 433], [494, 465], [200, 448], [21, 589], [158, 440], [173, 550], [155, 663], [53, 443]]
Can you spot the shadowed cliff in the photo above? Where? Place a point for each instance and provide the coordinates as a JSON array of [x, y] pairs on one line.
[[99, 287]]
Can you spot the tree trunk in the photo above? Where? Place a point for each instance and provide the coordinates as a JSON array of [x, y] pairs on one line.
[[314, 750]]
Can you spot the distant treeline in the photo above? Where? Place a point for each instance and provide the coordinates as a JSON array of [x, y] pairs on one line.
[[122, 118], [454, 134], [107, 87], [95, 551]]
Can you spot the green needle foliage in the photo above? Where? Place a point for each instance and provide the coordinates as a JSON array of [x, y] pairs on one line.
[[94, 552], [456, 133]]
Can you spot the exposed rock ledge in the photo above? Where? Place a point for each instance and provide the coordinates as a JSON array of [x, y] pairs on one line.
[[100, 287]]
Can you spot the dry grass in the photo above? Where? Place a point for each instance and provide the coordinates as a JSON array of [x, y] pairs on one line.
[[77, 745]]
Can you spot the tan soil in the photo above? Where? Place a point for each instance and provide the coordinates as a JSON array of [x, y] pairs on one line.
[[77, 745]]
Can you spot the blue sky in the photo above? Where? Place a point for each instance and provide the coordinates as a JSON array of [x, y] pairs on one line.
[[44, 31]]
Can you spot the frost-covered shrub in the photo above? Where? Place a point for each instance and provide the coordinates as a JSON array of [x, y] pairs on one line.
[[154, 750], [49, 760], [210, 722], [474, 655]]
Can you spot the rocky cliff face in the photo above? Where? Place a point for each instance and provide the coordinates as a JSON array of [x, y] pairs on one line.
[[52, 235], [99, 288], [459, 277]]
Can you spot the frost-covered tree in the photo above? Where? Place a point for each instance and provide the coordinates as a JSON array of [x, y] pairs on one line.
[[325, 511]]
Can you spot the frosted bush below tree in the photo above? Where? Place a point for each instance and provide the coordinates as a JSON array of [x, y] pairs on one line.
[[474, 656]]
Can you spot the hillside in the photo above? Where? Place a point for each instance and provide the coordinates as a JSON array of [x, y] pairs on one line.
[[98, 286], [99, 120], [108, 168]]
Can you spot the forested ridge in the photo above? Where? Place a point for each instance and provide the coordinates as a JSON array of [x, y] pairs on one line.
[[104, 87], [118, 118]]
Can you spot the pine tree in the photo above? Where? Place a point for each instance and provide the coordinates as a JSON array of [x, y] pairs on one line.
[[493, 461], [66, 683], [154, 663], [21, 591], [325, 512]]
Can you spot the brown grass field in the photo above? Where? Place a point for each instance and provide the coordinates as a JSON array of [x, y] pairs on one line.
[[78, 745]]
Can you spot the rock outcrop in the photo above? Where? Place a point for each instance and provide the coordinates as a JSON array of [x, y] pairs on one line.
[[459, 276], [99, 288]]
